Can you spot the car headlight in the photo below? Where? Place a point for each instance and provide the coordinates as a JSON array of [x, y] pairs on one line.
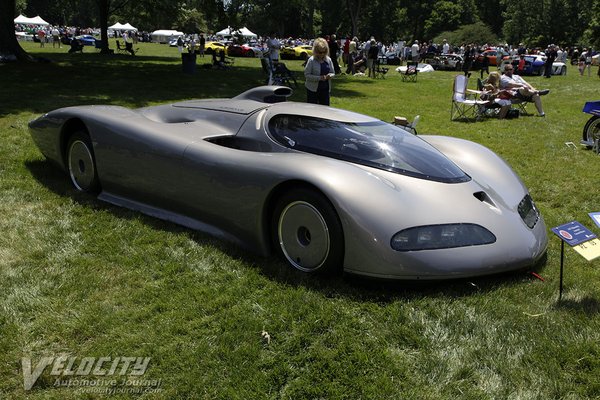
[[444, 236], [528, 211]]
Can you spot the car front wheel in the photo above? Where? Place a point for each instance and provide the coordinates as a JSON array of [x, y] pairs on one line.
[[591, 131], [307, 232], [81, 163]]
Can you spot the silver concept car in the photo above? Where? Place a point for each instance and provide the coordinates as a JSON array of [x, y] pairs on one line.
[[326, 188]]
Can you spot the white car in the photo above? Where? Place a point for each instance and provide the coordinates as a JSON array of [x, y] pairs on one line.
[[534, 65]]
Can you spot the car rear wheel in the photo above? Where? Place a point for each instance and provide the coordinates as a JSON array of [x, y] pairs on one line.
[[250, 53], [591, 131], [563, 70], [304, 56], [307, 232], [81, 163]]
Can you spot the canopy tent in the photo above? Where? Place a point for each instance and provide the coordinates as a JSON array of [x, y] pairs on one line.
[[164, 35], [245, 32], [117, 26], [122, 27], [128, 27], [37, 20]]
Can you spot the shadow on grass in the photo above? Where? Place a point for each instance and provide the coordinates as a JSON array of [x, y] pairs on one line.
[[587, 305], [132, 81], [361, 288], [120, 80], [339, 285]]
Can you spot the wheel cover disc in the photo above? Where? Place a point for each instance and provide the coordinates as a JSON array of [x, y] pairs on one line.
[[303, 236], [81, 165]]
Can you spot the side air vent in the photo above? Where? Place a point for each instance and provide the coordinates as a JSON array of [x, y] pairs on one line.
[[266, 94], [484, 198]]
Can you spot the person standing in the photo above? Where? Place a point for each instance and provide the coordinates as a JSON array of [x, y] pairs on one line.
[[372, 55], [588, 61], [550, 57], [352, 51], [55, 37], [445, 47], [414, 51], [202, 44], [274, 45], [318, 73], [467, 61], [334, 48], [42, 36]]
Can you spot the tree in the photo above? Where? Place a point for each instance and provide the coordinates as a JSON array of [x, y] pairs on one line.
[[9, 46]]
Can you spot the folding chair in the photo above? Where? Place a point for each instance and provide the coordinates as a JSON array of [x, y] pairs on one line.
[[521, 104], [277, 73], [129, 48], [465, 102], [120, 49], [379, 70], [410, 75]]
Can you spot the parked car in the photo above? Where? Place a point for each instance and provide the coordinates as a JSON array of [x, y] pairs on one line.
[[535, 64], [390, 58], [173, 42], [591, 131], [492, 56], [323, 187], [244, 50], [302, 52], [86, 40], [448, 62], [211, 47]]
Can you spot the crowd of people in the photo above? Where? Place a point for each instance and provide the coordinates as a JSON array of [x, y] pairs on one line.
[[361, 57]]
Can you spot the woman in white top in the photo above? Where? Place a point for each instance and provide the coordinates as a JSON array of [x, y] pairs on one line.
[[318, 73]]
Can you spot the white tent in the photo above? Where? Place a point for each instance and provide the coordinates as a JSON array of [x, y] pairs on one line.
[[122, 27], [245, 32], [164, 35], [128, 27], [117, 27], [37, 20]]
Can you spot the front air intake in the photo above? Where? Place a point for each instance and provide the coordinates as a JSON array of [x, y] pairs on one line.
[[266, 94]]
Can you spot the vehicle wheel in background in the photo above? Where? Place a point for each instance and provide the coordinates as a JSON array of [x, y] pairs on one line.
[[591, 131]]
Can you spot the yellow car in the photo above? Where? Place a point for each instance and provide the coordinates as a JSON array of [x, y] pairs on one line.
[[301, 52], [211, 47]]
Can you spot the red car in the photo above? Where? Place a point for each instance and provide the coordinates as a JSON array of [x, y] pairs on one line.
[[492, 56], [244, 50]]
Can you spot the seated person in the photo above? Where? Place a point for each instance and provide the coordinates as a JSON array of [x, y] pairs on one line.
[[492, 92], [360, 63], [76, 45], [523, 90], [129, 48], [219, 62]]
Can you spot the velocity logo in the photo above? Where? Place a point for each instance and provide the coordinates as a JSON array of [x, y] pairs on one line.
[[67, 367]]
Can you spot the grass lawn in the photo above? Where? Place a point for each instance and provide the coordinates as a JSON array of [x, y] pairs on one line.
[[82, 278]]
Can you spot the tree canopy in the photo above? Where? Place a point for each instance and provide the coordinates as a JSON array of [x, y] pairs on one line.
[[538, 23]]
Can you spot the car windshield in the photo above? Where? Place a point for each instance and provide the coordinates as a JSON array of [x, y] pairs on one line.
[[375, 144]]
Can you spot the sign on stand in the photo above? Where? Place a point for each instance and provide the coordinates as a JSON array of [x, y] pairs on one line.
[[581, 239]]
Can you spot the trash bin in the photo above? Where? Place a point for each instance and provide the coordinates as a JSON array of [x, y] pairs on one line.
[[188, 63]]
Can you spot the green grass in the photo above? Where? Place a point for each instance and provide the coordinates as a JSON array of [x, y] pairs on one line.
[[82, 278]]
